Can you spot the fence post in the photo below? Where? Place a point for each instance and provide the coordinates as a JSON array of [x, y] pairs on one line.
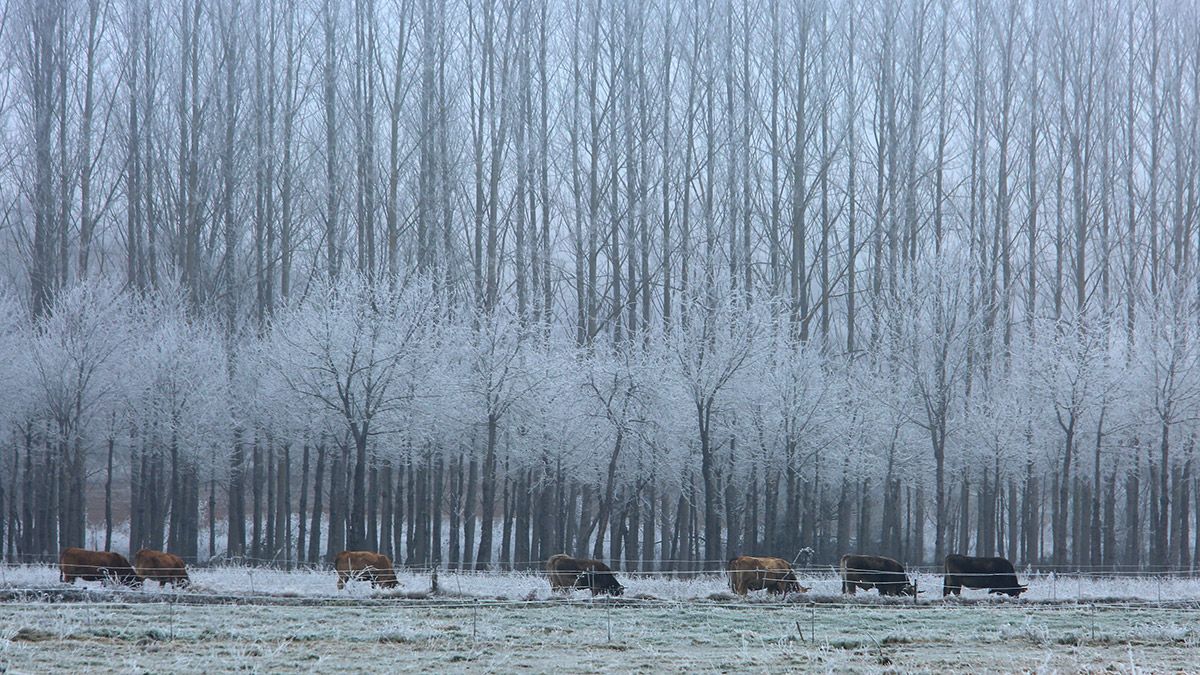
[[433, 586], [608, 613]]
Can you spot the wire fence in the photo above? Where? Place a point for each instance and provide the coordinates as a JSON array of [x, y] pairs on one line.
[[84, 567], [438, 587], [659, 566], [819, 619], [1066, 603]]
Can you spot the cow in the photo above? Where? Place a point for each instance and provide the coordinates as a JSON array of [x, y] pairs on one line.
[[366, 565], [874, 571], [995, 574], [165, 568], [565, 573], [78, 563], [755, 573]]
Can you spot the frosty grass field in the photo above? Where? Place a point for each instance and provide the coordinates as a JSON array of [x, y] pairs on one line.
[[270, 620]]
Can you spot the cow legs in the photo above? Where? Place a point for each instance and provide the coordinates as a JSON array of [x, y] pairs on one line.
[[341, 581], [951, 585]]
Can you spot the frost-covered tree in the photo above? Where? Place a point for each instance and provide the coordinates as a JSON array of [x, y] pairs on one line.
[[350, 349]]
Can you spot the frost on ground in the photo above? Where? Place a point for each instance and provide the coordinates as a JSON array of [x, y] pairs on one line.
[[571, 636], [240, 581], [297, 620]]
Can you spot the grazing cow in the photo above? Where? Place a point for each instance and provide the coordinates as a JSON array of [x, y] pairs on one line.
[[875, 571], [566, 573], [995, 574], [78, 563], [753, 573], [367, 565], [165, 568]]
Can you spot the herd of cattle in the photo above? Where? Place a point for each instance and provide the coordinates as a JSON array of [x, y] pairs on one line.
[[746, 573], [776, 576]]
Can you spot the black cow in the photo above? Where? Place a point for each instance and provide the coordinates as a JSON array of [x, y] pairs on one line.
[[875, 571], [566, 572], [995, 574]]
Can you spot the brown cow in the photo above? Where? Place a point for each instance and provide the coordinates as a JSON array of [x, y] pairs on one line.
[[566, 573], [754, 573], [78, 563], [367, 566], [165, 568]]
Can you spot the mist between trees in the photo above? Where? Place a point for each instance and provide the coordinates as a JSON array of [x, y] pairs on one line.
[[476, 282]]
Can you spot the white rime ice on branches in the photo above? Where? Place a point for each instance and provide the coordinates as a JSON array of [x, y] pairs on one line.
[[477, 282]]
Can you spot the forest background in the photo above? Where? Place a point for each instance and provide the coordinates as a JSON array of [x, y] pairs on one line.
[[473, 282]]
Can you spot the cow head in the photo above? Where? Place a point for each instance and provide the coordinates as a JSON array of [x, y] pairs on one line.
[[789, 584], [909, 589], [1016, 592], [602, 582], [608, 585], [126, 577]]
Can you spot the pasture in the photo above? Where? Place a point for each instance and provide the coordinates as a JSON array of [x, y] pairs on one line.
[[271, 620]]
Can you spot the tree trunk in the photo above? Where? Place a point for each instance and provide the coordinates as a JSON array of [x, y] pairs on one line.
[[235, 545], [439, 480], [386, 507], [108, 511], [712, 521], [283, 506], [302, 513], [488, 496], [357, 534], [1133, 544], [469, 512], [337, 491], [454, 555], [314, 536], [256, 484]]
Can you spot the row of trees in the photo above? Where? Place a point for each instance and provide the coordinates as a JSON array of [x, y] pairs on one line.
[[486, 279], [374, 417]]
